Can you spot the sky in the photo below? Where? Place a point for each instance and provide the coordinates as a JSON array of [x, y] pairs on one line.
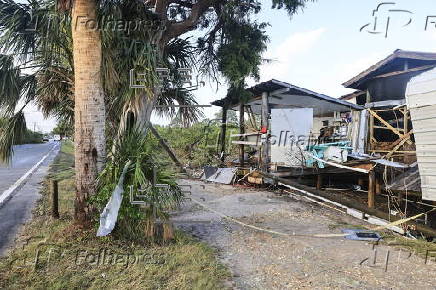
[[323, 46]]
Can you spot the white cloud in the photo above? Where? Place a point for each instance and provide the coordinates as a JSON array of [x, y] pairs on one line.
[[332, 82], [36, 121], [288, 51]]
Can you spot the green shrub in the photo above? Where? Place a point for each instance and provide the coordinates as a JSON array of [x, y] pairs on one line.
[[144, 171]]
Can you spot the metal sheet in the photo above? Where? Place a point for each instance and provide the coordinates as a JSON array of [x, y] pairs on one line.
[[363, 132], [208, 171], [223, 175], [421, 100]]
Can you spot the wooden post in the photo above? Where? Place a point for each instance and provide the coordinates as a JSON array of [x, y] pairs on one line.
[[378, 186], [406, 120], [319, 178], [371, 189], [371, 123], [54, 199], [223, 133], [361, 182], [265, 130], [241, 131]]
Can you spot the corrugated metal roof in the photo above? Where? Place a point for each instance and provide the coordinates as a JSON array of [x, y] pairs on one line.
[[377, 69], [292, 90], [421, 101]]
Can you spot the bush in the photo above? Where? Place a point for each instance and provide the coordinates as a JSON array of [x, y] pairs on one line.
[[142, 174]]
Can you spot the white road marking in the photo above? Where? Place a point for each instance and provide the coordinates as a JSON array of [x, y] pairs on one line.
[[8, 192]]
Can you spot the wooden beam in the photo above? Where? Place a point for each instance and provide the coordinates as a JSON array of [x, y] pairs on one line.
[[361, 182], [319, 179], [388, 103], [385, 128], [245, 143], [167, 148], [371, 139], [378, 186], [387, 151], [405, 139], [406, 121], [395, 130], [371, 189], [351, 203], [365, 166]]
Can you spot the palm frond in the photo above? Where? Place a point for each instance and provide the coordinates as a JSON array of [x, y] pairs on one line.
[[12, 131], [10, 84], [187, 114]]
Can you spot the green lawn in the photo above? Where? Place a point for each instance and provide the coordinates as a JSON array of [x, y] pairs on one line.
[[55, 254]]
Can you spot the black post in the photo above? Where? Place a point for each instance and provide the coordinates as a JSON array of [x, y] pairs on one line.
[[55, 199]]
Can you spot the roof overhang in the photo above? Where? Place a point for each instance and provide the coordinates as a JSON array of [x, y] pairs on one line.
[[285, 95], [377, 69]]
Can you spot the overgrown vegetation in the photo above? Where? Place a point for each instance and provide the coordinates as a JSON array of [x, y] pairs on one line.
[[197, 145], [55, 254], [144, 172]]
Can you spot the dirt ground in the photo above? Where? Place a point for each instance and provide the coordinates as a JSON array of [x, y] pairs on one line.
[[260, 260]]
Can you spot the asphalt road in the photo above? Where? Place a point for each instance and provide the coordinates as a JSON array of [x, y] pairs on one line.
[[18, 208]]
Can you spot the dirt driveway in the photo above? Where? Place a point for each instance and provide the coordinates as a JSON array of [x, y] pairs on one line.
[[260, 260]]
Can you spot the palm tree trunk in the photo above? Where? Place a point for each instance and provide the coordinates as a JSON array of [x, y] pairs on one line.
[[89, 105]]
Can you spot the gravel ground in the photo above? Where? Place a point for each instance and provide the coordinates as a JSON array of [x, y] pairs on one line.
[[260, 260]]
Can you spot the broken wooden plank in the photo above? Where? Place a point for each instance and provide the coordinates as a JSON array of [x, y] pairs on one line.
[[405, 138], [384, 122]]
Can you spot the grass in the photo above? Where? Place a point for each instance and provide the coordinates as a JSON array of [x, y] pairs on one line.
[[419, 247], [56, 254]]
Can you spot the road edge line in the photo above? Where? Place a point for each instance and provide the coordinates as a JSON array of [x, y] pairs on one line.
[[7, 194]]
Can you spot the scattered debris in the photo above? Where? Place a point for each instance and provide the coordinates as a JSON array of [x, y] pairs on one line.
[[361, 235], [219, 175]]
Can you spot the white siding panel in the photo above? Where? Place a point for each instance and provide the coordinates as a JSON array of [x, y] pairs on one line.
[[290, 128], [421, 100]]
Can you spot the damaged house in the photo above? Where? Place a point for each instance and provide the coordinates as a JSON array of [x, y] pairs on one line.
[[378, 140], [399, 95]]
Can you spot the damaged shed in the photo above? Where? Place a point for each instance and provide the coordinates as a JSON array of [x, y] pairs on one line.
[[394, 92], [292, 120]]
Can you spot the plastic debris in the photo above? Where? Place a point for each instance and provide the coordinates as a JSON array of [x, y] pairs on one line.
[[109, 216]]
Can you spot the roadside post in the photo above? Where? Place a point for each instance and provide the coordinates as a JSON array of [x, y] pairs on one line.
[[55, 199]]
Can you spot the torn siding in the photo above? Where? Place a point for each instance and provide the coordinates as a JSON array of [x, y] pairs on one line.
[[421, 100]]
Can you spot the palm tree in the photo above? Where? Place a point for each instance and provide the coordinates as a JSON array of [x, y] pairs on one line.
[[89, 104], [41, 66], [68, 67]]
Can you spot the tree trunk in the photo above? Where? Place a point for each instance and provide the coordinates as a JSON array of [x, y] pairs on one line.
[[89, 110]]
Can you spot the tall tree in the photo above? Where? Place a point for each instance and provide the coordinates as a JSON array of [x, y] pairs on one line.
[[216, 18], [38, 66], [58, 82], [89, 110]]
